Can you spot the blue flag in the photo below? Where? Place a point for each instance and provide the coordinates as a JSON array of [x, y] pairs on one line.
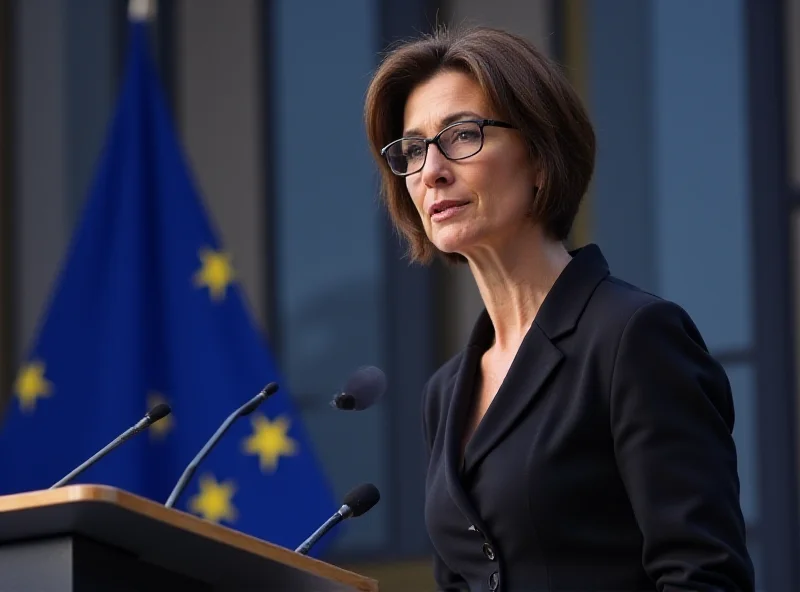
[[147, 309]]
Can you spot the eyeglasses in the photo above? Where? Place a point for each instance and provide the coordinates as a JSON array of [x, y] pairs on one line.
[[457, 141]]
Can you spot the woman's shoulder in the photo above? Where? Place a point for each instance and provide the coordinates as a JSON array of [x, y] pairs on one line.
[[618, 303], [624, 313], [621, 299]]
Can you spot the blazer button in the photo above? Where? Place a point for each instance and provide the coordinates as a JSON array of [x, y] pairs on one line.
[[488, 551], [494, 581]]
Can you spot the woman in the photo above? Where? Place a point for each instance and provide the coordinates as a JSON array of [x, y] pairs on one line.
[[582, 439]]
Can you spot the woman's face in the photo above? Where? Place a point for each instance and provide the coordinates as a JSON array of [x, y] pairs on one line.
[[481, 201]]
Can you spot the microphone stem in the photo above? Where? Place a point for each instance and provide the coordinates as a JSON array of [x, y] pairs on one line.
[[245, 409], [129, 433], [189, 471], [319, 533]]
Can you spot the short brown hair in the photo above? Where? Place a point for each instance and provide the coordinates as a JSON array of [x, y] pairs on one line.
[[522, 85]]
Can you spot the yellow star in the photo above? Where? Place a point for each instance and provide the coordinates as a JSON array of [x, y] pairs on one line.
[[216, 272], [163, 426], [270, 441], [31, 384], [213, 502]]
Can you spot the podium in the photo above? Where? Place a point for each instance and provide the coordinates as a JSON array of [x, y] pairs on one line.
[[95, 538]]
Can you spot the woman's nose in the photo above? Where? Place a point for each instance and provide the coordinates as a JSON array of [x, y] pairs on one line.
[[437, 169]]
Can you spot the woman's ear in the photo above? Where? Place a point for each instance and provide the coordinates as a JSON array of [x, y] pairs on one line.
[[539, 178]]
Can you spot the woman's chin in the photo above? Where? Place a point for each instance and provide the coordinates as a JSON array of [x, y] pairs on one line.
[[452, 247], [453, 240]]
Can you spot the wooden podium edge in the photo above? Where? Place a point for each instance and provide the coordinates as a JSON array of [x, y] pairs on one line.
[[194, 524]]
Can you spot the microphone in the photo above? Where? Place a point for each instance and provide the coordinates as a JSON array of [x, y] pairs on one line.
[[362, 390], [359, 501], [160, 411], [245, 409]]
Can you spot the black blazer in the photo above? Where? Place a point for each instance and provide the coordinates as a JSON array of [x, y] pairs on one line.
[[605, 461]]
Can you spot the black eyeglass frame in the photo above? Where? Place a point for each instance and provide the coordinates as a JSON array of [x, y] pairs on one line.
[[435, 140]]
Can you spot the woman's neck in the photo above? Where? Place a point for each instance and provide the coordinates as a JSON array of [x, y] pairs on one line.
[[514, 281]]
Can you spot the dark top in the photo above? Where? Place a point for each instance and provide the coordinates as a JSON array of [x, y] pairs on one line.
[[605, 462]]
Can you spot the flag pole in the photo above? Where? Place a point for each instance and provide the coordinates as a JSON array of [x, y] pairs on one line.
[[141, 10]]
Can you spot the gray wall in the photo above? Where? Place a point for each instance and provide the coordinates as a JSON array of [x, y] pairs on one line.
[[219, 93]]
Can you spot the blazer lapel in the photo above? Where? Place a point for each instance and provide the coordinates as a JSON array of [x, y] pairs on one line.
[[538, 357], [535, 361], [453, 432]]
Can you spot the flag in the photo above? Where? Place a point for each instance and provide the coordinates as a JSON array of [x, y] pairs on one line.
[[147, 309]]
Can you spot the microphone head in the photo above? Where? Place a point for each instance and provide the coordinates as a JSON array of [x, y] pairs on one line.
[[362, 389], [262, 396], [362, 499], [160, 411], [270, 389]]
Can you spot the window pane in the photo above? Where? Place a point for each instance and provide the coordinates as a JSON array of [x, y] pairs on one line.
[[329, 236]]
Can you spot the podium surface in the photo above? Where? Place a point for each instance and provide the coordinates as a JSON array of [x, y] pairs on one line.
[[92, 537]]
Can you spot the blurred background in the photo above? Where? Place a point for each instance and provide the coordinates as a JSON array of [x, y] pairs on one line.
[[696, 197]]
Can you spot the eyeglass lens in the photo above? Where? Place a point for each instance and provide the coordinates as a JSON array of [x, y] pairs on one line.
[[458, 141]]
